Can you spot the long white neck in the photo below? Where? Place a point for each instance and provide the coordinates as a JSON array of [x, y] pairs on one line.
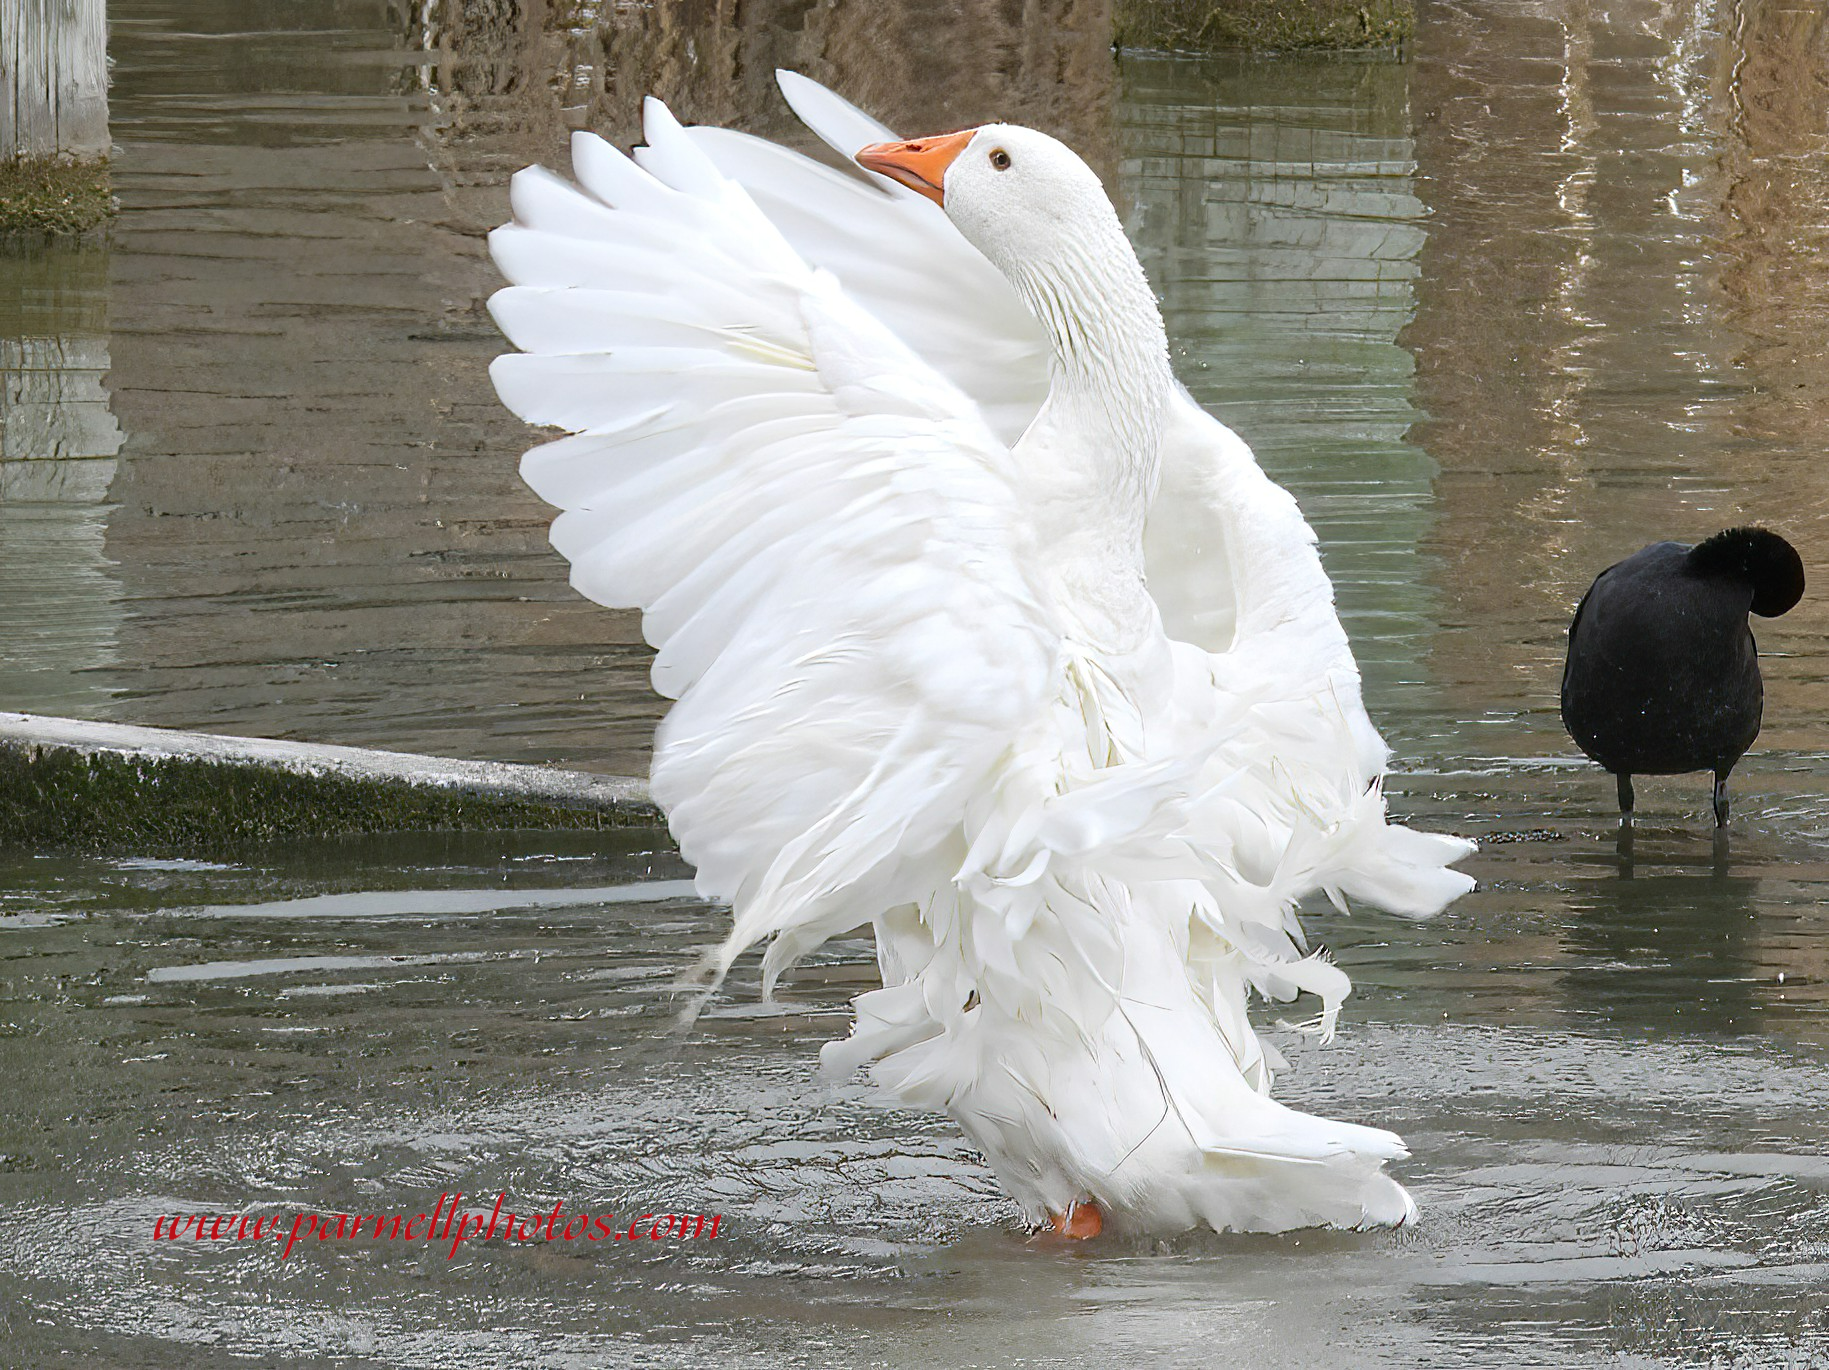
[[1092, 456], [1111, 371]]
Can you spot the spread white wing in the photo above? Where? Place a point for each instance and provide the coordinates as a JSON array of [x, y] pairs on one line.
[[1232, 564], [822, 534], [958, 312], [896, 253], [1228, 551]]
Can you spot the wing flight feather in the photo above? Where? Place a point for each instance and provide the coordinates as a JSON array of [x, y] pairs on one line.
[[819, 527]]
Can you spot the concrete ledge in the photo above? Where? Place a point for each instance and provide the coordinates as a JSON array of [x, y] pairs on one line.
[[73, 785]]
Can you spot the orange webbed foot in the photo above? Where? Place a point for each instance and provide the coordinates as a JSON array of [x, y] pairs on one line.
[[1081, 1222]]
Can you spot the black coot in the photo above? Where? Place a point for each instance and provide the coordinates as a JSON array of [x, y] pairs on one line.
[[1663, 673]]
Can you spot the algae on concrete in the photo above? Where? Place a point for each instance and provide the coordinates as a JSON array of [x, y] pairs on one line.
[[1264, 25], [53, 196], [55, 798]]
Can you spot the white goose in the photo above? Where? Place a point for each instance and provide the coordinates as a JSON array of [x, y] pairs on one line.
[[878, 457]]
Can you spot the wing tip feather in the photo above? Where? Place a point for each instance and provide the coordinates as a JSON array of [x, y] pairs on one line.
[[841, 125]]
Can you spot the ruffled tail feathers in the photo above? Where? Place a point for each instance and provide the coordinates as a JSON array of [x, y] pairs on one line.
[[1408, 873], [1351, 850]]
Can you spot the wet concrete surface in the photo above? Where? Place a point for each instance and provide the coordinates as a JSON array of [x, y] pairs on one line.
[[1613, 1089]]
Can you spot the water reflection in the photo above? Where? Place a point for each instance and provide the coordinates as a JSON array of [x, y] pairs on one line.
[[1667, 940], [1620, 319], [315, 522], [319, 529], [318, 524], [58, 440], [1273, 207], [1765, 202], [507, 79], [361, 1026]]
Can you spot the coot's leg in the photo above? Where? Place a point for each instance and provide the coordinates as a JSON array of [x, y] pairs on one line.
[[1720, 799], [1625, 796]]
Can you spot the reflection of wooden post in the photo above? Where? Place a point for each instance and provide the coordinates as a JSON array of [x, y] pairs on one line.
[[60, 600], [54, 78]]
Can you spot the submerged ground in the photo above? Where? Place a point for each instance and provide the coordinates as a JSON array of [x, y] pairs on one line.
[[1500, 315]]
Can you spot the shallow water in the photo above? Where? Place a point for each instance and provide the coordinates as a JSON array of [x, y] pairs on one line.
[[1498, 316], [1614, 1100]]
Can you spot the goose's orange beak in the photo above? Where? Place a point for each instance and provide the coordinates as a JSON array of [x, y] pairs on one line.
[[920, 163]]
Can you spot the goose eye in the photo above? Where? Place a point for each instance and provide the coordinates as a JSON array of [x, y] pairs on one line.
[[1000, 159]]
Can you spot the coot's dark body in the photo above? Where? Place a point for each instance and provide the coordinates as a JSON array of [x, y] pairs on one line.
[[1663, 674]]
